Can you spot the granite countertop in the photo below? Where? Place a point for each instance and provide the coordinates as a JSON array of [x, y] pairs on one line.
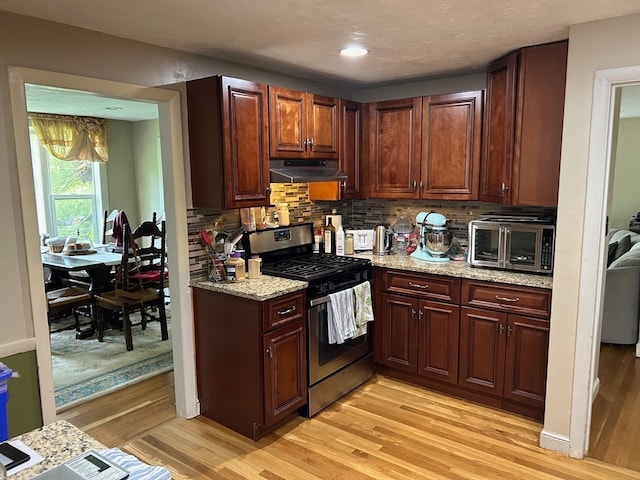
[[267, 287], [455, 268], [264, 288], [57, 443]]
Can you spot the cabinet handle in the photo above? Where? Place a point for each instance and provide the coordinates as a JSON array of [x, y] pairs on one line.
[[506, 299], [417, 285], [413, 313], [504, 187], [415, 184], [270, 352], [268, 188], [288, 310], [509, 330], [344, 185], [500, 330], [420, 312], [311, 142]]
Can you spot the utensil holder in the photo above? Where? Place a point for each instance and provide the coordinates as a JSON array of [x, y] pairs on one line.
[[217, 271]]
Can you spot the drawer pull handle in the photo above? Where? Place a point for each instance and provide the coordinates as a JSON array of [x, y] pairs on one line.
[[288, 310], [417, 285], [505, 299]]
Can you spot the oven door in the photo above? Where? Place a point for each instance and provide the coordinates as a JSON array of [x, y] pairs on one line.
[[325, 358], [486, 244]]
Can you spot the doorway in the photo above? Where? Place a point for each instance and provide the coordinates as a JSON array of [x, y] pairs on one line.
[[598, 189], [614, 424], [71, 197], [168, 104]]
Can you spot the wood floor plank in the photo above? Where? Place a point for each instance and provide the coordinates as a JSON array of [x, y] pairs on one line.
[[384, 430]]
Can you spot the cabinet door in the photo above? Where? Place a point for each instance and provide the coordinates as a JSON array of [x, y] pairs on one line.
[[497, 153], [526, 360], [482, 350], [451, 129], [350, 157], [246, 149], [539, 115], [394, 148], [287, 117], [438, 329], [398, 336], [323, 122], [285, 371]]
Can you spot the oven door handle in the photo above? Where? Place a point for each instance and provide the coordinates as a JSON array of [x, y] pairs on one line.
[[319, 301]]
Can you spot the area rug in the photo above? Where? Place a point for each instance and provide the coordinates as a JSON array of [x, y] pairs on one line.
[[84, 369]]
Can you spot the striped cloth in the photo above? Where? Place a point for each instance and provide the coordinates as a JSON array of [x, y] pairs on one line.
[[137, 469]]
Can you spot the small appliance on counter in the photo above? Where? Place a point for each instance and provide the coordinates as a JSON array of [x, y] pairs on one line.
[[362, 239], [434, 240], [382, 240], [513, 241]]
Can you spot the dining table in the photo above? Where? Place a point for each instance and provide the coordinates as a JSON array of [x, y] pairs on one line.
[[97, 265]]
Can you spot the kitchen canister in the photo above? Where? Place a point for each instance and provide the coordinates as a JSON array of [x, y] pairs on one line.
[[255, 267]]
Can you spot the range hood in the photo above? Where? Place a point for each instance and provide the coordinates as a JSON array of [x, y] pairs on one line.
[[302, 171]]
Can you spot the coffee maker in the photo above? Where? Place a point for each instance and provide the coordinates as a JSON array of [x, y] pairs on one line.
[[435, 239]]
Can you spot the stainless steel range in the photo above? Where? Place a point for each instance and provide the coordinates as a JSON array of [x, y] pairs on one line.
[[333, 369]]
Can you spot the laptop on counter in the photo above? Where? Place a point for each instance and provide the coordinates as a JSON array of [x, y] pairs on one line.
[[89, 465]]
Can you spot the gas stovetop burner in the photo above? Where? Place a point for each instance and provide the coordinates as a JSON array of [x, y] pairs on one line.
[[313, 267]]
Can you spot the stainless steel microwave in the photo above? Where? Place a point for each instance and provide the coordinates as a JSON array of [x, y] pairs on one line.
[[518, 242]]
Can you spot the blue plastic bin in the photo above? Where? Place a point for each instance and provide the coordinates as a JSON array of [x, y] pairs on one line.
[[5, 375]]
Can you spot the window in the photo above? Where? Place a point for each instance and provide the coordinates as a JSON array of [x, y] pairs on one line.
[[68, 195]]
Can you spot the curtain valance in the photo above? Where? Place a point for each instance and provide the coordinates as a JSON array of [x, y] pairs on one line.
[[72, 137]]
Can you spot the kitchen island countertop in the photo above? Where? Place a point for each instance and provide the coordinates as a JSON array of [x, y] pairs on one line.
[[263, 288]]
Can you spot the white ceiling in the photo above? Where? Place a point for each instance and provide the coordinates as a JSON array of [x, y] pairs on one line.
[[408, 40]]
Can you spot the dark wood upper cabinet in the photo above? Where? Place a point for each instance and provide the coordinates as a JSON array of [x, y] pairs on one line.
[[350, 161], [451, 135], [393, 133], [228, 142], [425, 147], [302, 125], [523, 126]]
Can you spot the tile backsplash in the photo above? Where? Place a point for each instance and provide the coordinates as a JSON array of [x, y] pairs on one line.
[[355, 214]]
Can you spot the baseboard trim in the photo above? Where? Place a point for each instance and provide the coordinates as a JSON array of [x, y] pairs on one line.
[[554, 441]]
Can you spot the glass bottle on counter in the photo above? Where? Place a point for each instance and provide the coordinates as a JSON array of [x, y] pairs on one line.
[[329, 237]]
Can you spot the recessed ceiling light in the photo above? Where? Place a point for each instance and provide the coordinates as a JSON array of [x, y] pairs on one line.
[[113, 108], [353, 51]]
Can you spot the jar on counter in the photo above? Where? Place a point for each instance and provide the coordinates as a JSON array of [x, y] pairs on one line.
[[283, 214], [235, 268], [348, 244], [255, 267]]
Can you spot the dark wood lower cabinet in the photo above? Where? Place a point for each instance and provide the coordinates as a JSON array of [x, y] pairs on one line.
[[250, 360], [489, 356]]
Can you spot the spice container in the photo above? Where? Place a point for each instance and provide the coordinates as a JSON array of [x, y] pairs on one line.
[[235, 268], [255, 267]]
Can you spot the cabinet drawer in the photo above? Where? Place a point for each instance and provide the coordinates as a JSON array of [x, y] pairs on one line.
[[523, 300], [283, 310], [434, 287]]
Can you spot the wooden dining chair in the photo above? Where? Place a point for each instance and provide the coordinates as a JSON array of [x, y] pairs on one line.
[[139, 282], [69, 300], [107, 226]]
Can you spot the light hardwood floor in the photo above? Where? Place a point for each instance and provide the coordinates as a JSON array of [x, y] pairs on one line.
[[383, 430], [615, 423]]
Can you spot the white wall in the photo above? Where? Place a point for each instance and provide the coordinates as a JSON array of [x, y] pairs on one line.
[[625, 202], [593, 46], [148, 171], [121, 170]]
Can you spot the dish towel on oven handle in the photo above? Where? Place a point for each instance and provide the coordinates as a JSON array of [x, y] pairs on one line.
[[363, 307], [341, 320]]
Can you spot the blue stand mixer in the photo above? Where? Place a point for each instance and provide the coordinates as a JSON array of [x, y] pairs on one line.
[[435, 240]]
